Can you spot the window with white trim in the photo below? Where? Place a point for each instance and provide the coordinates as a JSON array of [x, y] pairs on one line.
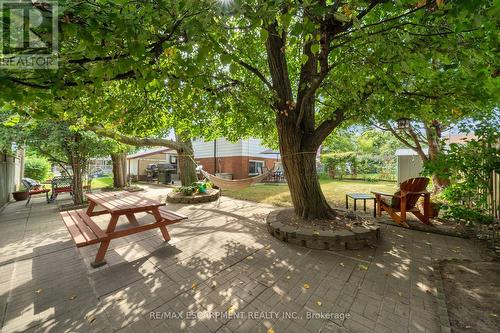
[[255, 167]]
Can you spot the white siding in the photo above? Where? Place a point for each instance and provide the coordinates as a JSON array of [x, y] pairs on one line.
[[225, 148], [249, 147], [253, 147]]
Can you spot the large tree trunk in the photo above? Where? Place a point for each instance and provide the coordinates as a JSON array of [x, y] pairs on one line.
[[77, 183], [299, 164], [185, 161], [119, 170], [433, 135]]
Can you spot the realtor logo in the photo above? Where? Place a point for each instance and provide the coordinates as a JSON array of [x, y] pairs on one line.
[[28, 34]]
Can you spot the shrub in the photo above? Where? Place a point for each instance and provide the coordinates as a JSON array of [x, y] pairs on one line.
[[37, 168]]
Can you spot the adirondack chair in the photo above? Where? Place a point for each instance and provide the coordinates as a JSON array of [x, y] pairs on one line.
[[405, 200]]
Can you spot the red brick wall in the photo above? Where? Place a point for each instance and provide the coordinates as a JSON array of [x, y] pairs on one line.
[[235, 165]]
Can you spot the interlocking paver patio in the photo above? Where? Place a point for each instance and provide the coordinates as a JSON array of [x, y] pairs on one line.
[[221, 259]]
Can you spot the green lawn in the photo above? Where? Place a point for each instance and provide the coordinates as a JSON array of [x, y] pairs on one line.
[[334, 191], [102, 182]]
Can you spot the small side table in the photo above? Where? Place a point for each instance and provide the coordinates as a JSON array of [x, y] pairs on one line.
[[361, 196]]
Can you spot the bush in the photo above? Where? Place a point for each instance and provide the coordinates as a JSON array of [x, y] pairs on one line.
[[36, 168]]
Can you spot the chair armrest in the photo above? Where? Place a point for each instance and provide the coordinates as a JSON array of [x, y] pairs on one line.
[[419, 192], [386, 194]]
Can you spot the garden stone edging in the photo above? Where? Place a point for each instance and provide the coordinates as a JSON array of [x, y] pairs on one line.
[[341, 239], [176, 197]]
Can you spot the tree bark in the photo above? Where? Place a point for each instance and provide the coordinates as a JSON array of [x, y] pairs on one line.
[[185, 161], [299, 163], [77, 183], [119, 170]]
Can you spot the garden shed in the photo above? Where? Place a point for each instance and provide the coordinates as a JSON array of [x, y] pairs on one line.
[[409, 164]]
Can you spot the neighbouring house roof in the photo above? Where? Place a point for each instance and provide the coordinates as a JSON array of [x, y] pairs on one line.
[[409, 152], [269, 151], [151, 152]]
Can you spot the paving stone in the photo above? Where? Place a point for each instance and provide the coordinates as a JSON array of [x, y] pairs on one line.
[[46, 283]]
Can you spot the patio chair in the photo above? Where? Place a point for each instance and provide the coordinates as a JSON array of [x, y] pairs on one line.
[[34, 188], [405, 200]]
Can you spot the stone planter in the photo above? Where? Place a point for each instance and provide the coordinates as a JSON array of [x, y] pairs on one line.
[[177, 197], [341, 239], [20, 195]]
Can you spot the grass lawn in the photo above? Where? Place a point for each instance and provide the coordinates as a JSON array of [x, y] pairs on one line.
[[102, 182], [334, 191]]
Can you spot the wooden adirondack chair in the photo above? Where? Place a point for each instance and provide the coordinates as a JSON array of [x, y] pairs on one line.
[[405, 200]]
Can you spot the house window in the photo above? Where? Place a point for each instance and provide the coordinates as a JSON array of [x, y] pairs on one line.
[[173, 159], [255, 167]]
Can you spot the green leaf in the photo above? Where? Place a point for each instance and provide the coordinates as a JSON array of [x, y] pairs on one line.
[[315, 48], [225, 59], [264, 34], [303, 58]]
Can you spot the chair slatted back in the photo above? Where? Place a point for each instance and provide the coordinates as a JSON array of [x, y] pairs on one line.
[[412, 185]]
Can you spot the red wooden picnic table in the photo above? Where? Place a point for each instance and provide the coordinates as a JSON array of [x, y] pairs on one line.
[[85, 232]]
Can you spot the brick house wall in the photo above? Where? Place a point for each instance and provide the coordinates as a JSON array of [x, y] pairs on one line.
[[238, 166]]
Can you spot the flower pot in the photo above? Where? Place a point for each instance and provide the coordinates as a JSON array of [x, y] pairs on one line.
[[20, 195]]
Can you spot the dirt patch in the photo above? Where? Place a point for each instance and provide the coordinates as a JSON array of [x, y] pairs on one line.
[[342, 220], [472, 292]]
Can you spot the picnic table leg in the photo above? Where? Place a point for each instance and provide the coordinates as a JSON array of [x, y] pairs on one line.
[[354, 204], [90, 208], [374, 207], [364, 205], [131, 218], [346, 202], [99, 258], [163, 229]]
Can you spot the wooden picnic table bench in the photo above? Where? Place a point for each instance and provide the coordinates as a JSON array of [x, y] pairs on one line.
[[85, 231]]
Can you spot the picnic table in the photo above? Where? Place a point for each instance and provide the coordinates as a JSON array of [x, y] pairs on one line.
[[85, 231]]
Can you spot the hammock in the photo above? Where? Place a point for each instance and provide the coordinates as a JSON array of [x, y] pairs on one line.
[[234, 184]]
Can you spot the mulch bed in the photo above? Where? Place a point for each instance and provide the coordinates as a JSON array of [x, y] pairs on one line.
[[343, 220], [472, 291]]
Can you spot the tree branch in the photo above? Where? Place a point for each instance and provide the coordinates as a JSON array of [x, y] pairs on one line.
[[140, 142]]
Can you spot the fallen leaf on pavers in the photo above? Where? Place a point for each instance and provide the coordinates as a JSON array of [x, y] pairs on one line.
[[39, 291], [231, 309], [250, 257], [288, 277], [400, 294], [363, 267], [342, 264], [268, 246], [90, 319], [214, 284], [387, 274], [493, 314], [358, 255], [306, 286], [270, 330], [319, 303], [193, 286], [72, 297]]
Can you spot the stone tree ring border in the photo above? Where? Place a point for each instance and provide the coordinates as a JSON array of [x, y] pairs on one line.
[[342, 239]]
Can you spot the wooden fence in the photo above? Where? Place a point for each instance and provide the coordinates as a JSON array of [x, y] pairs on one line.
[[9, 172]]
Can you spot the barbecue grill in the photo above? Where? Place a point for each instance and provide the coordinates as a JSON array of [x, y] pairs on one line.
[[165, 171]]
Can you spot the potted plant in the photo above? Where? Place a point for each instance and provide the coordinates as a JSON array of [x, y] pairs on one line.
[[21, 194]]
